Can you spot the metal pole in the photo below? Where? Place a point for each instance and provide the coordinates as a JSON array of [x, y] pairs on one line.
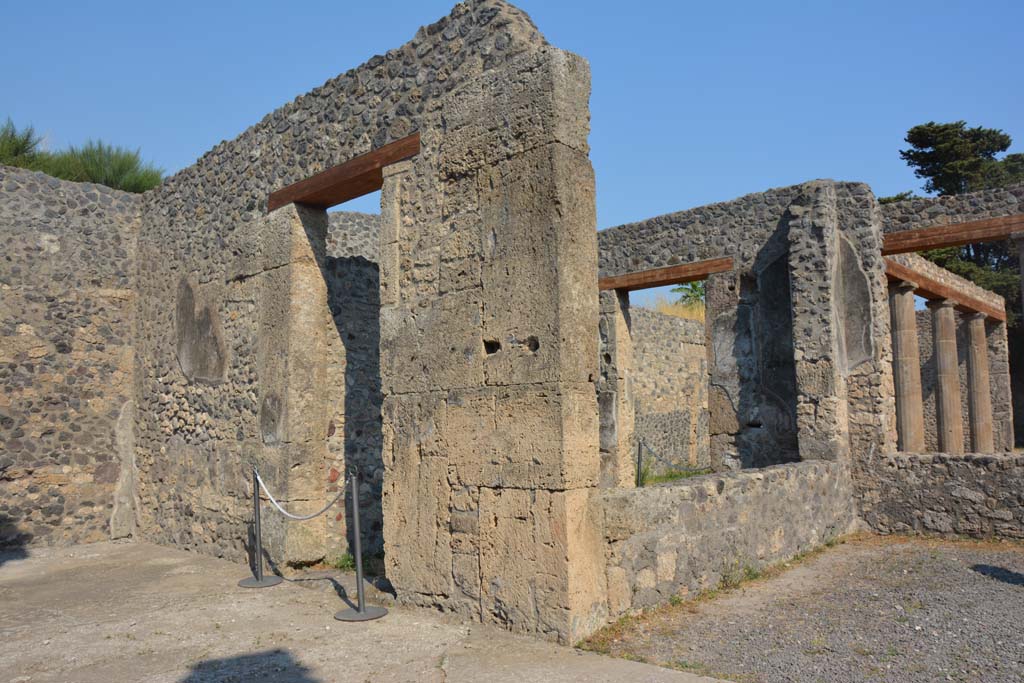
[[257, 581], [361, 612], [639, 461]]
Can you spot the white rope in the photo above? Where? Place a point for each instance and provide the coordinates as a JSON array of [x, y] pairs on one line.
[[284, 512]]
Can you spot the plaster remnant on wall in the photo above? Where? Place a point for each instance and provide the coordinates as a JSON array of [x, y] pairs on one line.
[[201, 350]]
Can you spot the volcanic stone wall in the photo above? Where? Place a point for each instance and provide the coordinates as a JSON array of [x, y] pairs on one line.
[[798, 336], [922, 212], [681, 538], [968, 495], [670, 379], [214, 262], [354, 438], [66, 276]]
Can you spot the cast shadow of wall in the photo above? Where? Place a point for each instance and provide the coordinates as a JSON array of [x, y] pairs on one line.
[[1000, 574], [13, 543], [353, 291], [276, 665]]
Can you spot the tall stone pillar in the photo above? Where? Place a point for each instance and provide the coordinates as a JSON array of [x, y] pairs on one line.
[[906, 361], [979, 391], [489, 356], [948, 409], [615, 393]]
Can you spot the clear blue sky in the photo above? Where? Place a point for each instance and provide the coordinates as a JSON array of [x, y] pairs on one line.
[[692, 102]]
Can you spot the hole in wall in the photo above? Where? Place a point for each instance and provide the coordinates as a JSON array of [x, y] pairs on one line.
[[532, 343], [491, 346]]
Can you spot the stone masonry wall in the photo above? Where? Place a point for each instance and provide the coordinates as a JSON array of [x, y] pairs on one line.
[[216, 271], [354, 434], [969, 495], [66, 276], [670, 379], [922, 212], [682, 538], [489, 313]]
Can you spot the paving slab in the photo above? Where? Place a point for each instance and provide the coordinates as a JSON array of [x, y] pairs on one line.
[[110, 612]]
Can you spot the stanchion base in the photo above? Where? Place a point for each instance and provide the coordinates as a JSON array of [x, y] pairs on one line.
[[352, 614], [265, 582]]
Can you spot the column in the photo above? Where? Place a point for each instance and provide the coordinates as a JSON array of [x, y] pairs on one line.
[[906, 362], [979, 391], [948, 410]]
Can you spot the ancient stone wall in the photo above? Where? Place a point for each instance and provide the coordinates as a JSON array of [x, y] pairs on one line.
[[970, 495], [670, 380], [685, 537], [489, 356], [354, 438], [922, 212], [215, 262], [66, 300]]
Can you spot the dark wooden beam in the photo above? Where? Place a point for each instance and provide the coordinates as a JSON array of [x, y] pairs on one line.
[[938, 236], [670, 275], [354, 178], [930, 288]]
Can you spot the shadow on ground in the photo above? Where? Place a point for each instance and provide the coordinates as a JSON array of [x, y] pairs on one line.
[[272, 665], [12, 542], [1000, 574]]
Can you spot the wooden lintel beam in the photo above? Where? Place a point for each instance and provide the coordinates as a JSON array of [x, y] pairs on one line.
[[354, 178], [670, 275], [938, 236], [930, 288]]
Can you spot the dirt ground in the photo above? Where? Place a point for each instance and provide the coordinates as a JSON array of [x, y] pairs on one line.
[[113, 613], [871, 609]]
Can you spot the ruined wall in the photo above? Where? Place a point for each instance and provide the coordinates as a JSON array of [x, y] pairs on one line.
[[214, 261], [489, 356], [788, 347], [354, 434], [670, 379], [66, 278], [922, 212], [971, 495], [684, 537]]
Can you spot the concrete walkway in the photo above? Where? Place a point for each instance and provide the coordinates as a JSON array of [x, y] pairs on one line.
[[136, 612]]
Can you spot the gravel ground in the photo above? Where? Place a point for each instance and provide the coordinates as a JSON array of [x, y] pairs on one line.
[[873, 609]]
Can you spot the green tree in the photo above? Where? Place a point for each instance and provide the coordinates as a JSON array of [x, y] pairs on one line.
[[93, 162], [690, 292], [953, 159]]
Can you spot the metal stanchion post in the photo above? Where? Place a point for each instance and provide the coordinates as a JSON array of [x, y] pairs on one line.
[[259, 580], [361, 612]]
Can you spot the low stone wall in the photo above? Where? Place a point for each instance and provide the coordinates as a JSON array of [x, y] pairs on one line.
[[66, 360], [670, 388], [970, 495], [682, 538]]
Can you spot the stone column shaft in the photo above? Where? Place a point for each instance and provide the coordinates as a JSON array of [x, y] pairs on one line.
[[979, 390], [906, 360], [949, 414]]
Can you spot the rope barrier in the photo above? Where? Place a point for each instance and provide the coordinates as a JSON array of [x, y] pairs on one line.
[[300, 518]]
